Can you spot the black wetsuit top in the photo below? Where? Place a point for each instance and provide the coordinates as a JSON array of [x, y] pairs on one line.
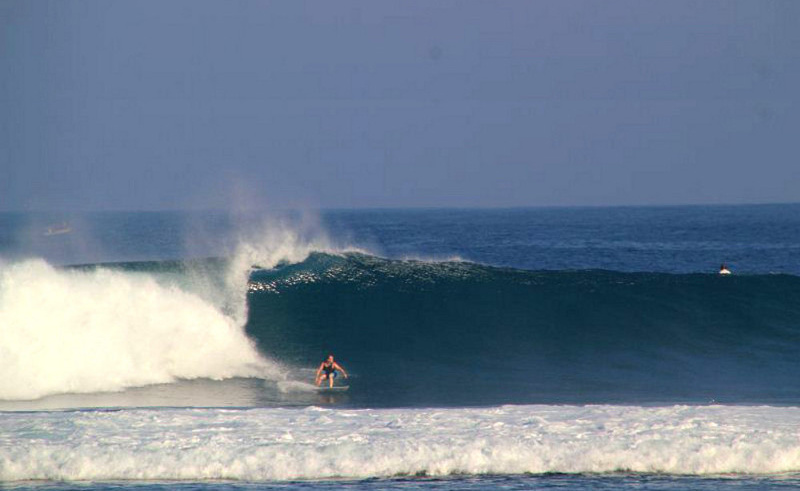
[[328, 368]]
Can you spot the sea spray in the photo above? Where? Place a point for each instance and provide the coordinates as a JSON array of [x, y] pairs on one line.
[[268, 245]]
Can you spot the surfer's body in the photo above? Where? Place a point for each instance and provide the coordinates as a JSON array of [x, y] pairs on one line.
[[328, 370]]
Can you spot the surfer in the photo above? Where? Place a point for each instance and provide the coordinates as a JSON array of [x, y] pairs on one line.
[[328, 370], [724, 270]]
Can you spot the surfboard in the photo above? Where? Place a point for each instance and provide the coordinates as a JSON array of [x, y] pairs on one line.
[[335, 388]]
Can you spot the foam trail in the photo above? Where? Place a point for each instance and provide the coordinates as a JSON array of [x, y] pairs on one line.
[[88, 331], [290, 444]]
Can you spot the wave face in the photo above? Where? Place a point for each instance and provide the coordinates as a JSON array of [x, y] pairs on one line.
[[290, 444], [456, 333]]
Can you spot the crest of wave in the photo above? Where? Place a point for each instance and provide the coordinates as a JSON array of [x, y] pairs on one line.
[[273, 243]]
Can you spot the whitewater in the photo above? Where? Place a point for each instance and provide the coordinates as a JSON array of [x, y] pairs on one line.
[[318, 443]]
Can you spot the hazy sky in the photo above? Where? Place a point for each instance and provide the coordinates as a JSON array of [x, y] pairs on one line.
[[198, 104]]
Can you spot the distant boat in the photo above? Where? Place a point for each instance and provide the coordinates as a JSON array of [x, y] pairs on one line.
[[62, 228]]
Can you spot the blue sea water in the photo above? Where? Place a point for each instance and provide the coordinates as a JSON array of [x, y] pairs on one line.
[[577, 348]]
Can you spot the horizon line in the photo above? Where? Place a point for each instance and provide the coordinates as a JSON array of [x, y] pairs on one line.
[[398, 208]]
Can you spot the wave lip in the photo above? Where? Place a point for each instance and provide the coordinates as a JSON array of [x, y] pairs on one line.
[[285, 444]]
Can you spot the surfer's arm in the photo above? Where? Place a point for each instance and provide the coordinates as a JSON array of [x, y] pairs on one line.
[[339, 367]]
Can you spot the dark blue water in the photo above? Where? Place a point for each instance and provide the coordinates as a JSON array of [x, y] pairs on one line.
[[680, 239], [752, 239], [422, 333]]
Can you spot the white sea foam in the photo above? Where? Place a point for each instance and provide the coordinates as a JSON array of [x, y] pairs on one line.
[[315, 443], [87, 331]]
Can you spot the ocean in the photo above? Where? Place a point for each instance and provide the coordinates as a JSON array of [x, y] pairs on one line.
[[542, 348]]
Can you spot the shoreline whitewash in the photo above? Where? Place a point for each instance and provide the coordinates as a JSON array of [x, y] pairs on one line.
[[275, 444]]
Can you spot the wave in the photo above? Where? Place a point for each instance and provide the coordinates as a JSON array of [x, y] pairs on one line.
[[315, 443], [413, 333], [457, 333]]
